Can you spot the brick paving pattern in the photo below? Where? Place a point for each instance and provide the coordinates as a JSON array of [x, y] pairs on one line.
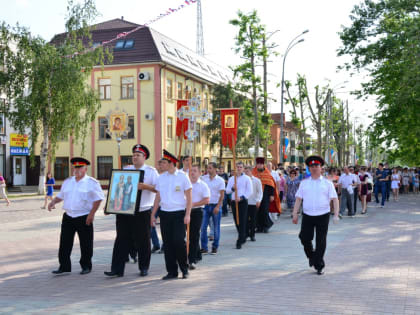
[[372, 268]]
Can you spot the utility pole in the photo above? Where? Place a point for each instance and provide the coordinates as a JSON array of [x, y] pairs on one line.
[[265, 53], [200, 36]]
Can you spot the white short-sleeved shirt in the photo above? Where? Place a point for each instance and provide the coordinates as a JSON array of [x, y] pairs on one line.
[[346, 180], [171, 188], [79, 196], [244, 186], [150, 178], [275, 176], [216, 185], [316, 195], [200, 190], [257, 192]]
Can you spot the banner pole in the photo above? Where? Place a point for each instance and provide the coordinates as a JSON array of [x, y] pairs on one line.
[[235, 177]]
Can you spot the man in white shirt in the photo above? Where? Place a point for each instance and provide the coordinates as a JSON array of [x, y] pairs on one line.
[[254, 202], [175, 199], [356, 188], [212, 210], [316, 193], [240, 194], [82, 196], [186, 164], [346, 182], [200, 198], [134, 231]]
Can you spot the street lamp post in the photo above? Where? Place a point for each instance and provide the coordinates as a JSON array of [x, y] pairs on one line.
[[289, 47], [329, 120]]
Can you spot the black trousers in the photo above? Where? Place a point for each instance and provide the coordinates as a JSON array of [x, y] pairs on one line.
[[69, 226], [320, 225], [243, 218], [355, 199], [195, 226], [173, 234], [132, 231], [251, 222]]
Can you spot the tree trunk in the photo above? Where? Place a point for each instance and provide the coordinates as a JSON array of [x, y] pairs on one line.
[[319, 135], [221, 153], [265, 95], [254, 99], [43, 160]]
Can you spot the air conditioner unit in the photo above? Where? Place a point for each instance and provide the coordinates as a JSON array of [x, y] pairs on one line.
[[149, 116], [144, 76]]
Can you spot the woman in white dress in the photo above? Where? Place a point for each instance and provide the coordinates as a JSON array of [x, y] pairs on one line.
[[395, 184]]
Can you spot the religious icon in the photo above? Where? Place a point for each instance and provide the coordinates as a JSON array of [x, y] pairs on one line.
[[118, 122], [122, 193], [229, 121]]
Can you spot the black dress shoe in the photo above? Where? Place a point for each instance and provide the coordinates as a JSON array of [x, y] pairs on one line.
[[252, 238], [155, 249], [170, 276], [112, 274], [192, 266], [320, 272], [59, 272], [85, 271], [238, 245], [143, 273], [185, 275]]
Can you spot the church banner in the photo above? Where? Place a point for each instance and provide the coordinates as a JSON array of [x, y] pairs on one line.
[[181, 125], [229, 118]]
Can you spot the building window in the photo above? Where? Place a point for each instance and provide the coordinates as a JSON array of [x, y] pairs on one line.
[[169, 128], [206, 101], [61, 168], [195, 92], [169, 89], [199, 133], [126, 160], [103, 126], [180, 91], [293, 143], [104, 89], [104, 167], [127, 87], [130, 134]]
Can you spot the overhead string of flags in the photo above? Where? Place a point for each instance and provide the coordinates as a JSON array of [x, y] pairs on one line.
[[124, 34]]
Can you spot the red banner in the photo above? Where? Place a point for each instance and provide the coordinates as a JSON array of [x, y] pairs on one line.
[[284, 153], [181, 126], [229, 119]]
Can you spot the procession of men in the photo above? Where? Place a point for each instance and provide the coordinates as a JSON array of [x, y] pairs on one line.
[[185, 200]]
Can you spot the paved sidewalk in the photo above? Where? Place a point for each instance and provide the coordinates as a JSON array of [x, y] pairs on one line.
[[372, 268]]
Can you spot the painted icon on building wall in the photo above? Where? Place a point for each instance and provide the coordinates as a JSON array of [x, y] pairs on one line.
[[229, 121], [118, 122]]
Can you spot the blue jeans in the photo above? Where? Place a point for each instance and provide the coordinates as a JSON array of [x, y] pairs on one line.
[[207, 214], [153, 234], [224, 206], [380, 187]]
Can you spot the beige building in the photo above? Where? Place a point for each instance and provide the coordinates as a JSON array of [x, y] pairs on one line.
[[149, 73]]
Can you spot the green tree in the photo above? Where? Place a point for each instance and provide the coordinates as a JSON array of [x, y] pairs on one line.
[[46, 84], [384, 40], [222, 95], [248, 43]]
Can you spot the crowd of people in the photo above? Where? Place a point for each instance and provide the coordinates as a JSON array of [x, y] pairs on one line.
[[186, 201]]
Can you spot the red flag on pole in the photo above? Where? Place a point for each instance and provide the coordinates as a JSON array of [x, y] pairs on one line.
[[229, 119], [179, 123]]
